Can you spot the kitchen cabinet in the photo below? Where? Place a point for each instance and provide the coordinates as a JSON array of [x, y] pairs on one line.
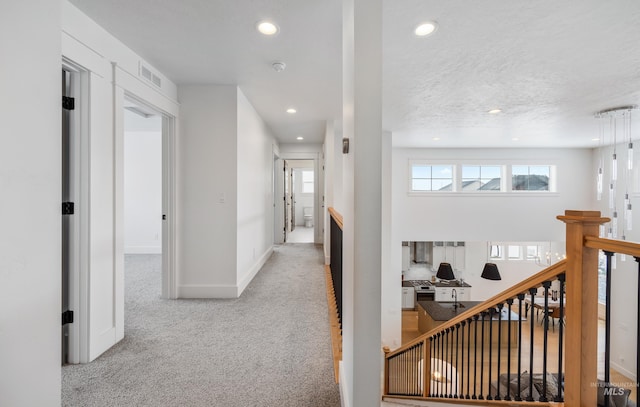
[[446, 293], [408, 298], [448, 252]]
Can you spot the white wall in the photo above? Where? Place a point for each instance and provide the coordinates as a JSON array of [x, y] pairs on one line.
[[328, 193], [207, 193], [479, 218], [255, 192], [360, 370], [142, 184], [30, 163], [391, 297]]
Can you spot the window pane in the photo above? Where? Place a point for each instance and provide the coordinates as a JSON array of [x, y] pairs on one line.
[[307, 176], [431, 178], [495, 252], [481, 178], [442, 185], [470, 171], [420, 171], [531, 178], [471, 184], [491, 171], [532, 252], [513, 252], [539, 170], [307, 187], [520, 170], [493, 184], [442, 171], [421, 185]]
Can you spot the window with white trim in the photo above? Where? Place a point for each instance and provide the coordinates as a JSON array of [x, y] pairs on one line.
[[482, 178], [530, 177], [426, 177], [514, 252], [307, 182]]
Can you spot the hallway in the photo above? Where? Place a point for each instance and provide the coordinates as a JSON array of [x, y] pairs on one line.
[[270, 347]]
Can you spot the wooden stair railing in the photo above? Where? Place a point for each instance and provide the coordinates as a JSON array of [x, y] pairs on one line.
[[452, 373], [333, 278], [471, 356]]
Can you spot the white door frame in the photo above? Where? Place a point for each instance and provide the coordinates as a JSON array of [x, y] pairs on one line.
[[169, 286], [318, 190], [278, 201], [79, 233]]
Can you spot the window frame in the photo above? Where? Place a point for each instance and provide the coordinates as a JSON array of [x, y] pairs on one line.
[[480, 165], [304, 183], [552, 178], [431, 163], [506, 174]]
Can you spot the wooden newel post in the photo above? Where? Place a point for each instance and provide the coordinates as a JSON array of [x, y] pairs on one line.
[[581, 346]]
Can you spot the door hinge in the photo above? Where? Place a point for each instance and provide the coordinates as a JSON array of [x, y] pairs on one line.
[[164, 217], [68, 103], [68, 208], [67, 317]]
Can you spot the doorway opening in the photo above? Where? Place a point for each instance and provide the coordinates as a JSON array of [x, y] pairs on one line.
[[299, 199], [143, 196]]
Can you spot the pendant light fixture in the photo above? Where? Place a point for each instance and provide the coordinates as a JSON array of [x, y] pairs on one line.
[[619, 121]]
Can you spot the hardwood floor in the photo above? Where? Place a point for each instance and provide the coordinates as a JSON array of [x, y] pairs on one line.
[[410, 332]]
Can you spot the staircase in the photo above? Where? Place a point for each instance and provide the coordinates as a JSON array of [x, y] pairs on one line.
[[496, 354]]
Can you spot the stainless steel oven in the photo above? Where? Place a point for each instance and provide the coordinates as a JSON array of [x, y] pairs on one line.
[[425, 295], [425, 291]]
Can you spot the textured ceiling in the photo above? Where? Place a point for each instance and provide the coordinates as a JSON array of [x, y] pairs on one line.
[[548, 65]]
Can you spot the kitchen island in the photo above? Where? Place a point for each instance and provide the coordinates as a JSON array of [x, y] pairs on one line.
[[431, 314]]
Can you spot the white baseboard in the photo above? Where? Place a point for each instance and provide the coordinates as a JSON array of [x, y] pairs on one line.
[[224, 290], [344, 392], [143, 250], [254, 270], [615, 366], [207, 291]]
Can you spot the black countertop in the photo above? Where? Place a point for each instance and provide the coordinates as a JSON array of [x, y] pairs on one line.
[[444, 311], [452, 284]]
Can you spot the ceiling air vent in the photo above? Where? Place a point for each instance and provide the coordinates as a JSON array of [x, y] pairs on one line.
[[147, 74]]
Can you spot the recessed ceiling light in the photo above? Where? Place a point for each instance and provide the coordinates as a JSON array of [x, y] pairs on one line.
[[267, 28], [291, 110], [436, 138], [299, 138], [426, 28], [279, 66], [595, 139], [495, 111], [515, 139]]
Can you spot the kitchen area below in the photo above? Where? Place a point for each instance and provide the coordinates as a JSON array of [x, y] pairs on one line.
[[421, 282]]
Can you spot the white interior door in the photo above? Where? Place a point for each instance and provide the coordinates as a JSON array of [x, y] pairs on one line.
[[278, 202], [287, 200]]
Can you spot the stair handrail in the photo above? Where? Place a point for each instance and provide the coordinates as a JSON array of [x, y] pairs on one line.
[[532, 282]]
